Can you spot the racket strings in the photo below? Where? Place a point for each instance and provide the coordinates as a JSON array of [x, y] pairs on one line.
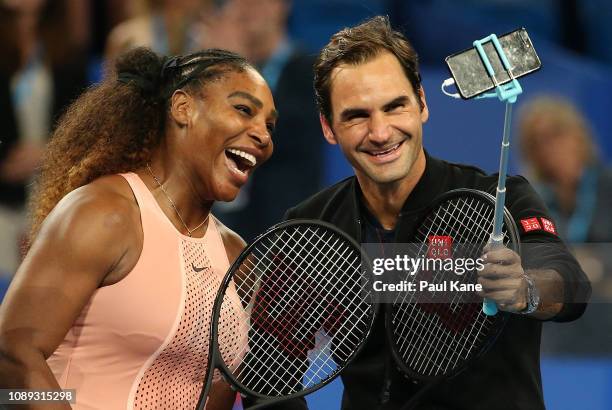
[[433, 338], [324, 366], [472, 312], [446, 314], [430, 323], [302, 294], [266, 337], [310, 291], [315, 295]]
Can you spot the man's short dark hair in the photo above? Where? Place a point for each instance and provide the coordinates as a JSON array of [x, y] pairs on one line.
[[358, 45]]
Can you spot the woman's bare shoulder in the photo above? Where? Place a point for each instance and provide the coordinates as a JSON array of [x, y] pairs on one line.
[[108, 198], [233, 243], [98, 222]]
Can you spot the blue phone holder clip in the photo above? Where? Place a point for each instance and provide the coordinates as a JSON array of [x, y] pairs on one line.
[[504, 92]]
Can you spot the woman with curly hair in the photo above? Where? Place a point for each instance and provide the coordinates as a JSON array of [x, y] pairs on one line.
[[114, 296]]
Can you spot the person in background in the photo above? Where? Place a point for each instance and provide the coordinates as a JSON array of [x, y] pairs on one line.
[[258, 30], [43, 67], [168, 27], [562, 160]]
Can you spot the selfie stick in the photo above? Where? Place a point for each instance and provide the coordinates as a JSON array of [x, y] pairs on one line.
[[505, 93]]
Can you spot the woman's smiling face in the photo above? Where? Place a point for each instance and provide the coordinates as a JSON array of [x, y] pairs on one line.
[[230, 132]]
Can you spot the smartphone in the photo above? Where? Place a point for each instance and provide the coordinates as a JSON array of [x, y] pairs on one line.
[[471, 76]]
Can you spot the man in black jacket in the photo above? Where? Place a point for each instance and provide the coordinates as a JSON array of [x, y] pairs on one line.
[[373, 106]]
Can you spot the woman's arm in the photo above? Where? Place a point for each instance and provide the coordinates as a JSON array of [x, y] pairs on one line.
[[86, 240]]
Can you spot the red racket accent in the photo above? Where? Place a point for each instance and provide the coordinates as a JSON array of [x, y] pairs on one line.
[[283, 322], [335, 316], [456, 319]]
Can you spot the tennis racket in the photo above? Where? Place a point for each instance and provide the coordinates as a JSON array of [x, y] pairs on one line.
[[292, 311], [432, 341]]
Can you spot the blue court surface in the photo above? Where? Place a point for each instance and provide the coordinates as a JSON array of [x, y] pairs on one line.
[[569, 384]]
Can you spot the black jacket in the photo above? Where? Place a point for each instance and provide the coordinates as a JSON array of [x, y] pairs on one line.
[[508, 375]]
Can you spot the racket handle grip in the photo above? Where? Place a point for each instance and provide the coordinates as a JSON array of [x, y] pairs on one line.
[[489, 307]]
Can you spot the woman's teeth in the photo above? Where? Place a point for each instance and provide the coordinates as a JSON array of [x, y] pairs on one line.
[[252, 161]]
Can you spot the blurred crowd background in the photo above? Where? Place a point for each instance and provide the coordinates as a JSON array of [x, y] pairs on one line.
[[51, 50]]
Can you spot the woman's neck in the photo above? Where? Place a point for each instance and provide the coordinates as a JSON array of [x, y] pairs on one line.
[[173, 188]]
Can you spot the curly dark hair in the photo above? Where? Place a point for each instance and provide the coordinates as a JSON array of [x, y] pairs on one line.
[[358, 45], [116, 126]]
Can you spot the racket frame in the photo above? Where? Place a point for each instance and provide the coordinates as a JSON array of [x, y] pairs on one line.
[[215, 359], [500, 319]]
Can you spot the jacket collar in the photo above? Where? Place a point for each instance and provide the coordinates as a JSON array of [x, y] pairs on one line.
[[431, 184]]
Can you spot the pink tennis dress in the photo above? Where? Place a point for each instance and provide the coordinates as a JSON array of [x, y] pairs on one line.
[[142, 343]]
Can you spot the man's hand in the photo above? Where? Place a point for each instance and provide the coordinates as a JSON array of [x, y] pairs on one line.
[[503, 279]]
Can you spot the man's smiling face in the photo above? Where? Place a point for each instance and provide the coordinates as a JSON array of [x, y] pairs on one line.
[[377, 118]]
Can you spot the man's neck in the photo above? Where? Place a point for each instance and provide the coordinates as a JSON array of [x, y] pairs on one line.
[[385, 201]]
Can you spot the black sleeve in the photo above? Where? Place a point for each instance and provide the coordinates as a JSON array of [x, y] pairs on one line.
[[543, 249], [289, 214]]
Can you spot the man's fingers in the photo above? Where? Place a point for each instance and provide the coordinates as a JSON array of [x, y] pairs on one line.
[[490, 286], [502, 297], [496, 271], [502, 256], [508, 293]]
